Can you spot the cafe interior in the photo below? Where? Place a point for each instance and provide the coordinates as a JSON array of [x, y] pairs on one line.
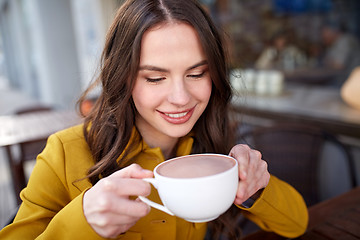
[[294, 69]]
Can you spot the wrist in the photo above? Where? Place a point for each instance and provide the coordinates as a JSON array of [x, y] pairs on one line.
[[251, 200]]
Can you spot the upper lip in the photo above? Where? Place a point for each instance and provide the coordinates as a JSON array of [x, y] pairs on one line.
[[178, 112]]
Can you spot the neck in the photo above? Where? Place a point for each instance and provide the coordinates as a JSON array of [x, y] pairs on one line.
[[169, 153], [153, 139], [167, 146]]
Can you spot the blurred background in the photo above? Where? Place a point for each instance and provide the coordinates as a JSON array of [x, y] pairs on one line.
[[49, 53], [49, 49], [290, 61]]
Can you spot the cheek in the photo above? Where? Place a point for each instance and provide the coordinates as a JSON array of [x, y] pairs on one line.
[[145, 98], [204, 91], [139, 97]]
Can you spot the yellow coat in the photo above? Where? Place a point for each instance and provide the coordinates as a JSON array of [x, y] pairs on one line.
[[52, 201]]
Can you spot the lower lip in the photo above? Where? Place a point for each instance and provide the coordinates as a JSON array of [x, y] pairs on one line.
[[179, 120]]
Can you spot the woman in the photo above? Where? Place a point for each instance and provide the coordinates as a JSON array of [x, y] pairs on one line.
[[281, 55], [165, 93]]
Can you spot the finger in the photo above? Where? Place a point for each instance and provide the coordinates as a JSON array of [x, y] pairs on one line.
[[241, 153], [133, 171], [111, 225], [126, 186], [245, 191], [110, 203], [241, 191], [132, 208], [259, 169], [263, 174], [255, 156], [238, 201], [254, 165], [111, 219], [241, 196]]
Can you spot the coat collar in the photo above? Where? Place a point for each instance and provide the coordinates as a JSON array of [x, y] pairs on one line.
[[137, 146]]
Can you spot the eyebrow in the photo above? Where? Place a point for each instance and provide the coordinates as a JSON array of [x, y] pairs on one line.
[[159, 69]]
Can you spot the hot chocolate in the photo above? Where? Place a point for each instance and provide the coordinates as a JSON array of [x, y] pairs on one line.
[[185, 190], [195, 166]]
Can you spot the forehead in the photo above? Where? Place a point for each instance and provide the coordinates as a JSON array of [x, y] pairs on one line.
[[170, 40]]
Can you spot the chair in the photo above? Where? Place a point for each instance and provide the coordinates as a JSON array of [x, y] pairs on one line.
[[19, 155], [298, 154]]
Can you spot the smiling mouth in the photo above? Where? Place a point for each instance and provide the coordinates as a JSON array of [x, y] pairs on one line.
[[176, 115]]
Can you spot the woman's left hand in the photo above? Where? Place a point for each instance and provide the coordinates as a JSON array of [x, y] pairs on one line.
[[253, 173]]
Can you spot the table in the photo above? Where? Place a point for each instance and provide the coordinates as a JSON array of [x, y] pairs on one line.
[[24, 136], [315, 105], [337, 218], [16, 129]]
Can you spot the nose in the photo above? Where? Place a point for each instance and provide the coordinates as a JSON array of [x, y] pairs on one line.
[[179, 93]]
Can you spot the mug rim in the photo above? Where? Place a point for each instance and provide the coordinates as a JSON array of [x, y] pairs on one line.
[[195, 178]]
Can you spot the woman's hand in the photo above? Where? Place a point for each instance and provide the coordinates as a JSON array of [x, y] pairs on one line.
[[253, 173], [107, 206]]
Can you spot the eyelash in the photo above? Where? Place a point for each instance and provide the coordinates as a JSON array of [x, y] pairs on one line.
[[155, 80], [196, 75]]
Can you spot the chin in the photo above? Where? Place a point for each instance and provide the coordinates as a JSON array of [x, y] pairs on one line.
[[177, 133]]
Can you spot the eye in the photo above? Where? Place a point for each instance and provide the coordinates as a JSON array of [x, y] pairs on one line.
[[200, 75], [154, 80]]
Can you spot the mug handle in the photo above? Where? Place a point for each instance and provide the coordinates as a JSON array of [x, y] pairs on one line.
[[151, 203]]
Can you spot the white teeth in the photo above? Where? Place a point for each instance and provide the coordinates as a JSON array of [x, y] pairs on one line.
[[176, 115]]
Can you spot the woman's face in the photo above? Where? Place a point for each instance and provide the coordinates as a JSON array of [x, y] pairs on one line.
[[173, 85]]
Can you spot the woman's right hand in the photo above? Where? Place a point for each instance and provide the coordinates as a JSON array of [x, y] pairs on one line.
[[107, 206]]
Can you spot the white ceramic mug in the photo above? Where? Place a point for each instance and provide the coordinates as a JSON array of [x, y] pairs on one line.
[[203, 195]]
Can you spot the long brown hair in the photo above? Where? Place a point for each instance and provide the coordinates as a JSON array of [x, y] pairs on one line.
[[108, 127]]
